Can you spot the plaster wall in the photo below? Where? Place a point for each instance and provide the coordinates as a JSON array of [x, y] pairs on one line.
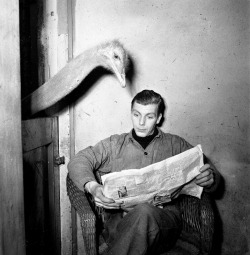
[[196, 54]]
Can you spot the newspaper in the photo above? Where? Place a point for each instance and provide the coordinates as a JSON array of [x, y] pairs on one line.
[[158, 183]]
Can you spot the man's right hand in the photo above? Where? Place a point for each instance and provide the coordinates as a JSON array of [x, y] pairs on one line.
[[96, 190]]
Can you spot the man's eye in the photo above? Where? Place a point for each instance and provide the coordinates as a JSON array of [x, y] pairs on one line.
[[136, 115], [150, 117]]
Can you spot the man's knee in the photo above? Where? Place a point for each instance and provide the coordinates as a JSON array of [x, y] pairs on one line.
[[145, 214], [148, 214], [145, 209]]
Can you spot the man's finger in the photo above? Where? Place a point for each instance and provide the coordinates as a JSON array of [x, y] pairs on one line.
[[203, 178], [107, 202], [205, 173], [99, 195], [205, 183], [204, 168], [105, 199], [108, 206]]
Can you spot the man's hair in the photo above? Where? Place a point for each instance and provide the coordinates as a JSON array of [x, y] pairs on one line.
[[146, 97]]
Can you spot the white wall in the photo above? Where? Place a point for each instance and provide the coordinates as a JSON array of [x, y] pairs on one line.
[[194, 53]]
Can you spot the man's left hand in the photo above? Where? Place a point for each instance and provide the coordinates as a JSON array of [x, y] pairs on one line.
[[206, 177]]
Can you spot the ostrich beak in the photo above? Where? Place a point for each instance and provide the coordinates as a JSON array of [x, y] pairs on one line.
[[122, 79], [120, 74]]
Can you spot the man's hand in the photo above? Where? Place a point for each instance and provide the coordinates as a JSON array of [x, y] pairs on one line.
[[96, 190], [206, 177]]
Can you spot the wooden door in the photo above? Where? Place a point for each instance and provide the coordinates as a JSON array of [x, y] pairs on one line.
[[41, 186]]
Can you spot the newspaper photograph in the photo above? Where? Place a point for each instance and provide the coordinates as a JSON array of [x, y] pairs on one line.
[[158, 183]]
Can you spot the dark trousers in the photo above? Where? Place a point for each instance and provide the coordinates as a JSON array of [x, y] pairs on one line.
[[144, 230]]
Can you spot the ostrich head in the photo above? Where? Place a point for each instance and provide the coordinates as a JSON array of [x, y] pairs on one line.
[[115, 59]]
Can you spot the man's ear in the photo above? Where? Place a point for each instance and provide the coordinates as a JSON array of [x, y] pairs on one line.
[[159, 118]]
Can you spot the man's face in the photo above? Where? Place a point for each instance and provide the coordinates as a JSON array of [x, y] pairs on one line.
[[145, 118]]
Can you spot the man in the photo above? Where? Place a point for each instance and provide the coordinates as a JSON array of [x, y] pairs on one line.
[[144, 229]]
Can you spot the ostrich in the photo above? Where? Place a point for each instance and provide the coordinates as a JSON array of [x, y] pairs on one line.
[[111, 56]]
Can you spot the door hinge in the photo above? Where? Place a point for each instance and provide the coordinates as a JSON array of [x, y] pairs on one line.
[[59, 161]]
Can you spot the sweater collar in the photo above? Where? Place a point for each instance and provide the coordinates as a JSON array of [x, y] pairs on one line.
[[133, 139]]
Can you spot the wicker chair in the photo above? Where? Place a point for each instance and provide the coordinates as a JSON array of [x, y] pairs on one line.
[[195, 239]]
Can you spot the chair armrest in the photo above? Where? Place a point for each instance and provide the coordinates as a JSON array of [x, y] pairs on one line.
[[207, 223], [198, 217], [82, 206]]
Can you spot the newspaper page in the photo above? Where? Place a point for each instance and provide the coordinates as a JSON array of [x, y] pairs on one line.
[[158, 183]]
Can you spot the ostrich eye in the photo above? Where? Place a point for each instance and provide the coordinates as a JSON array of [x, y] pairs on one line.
[[116, 56]]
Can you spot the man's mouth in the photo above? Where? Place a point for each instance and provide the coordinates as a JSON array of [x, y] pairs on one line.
[[141, 130]]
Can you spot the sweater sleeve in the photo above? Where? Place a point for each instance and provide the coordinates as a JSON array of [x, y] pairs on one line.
[[82, 166]]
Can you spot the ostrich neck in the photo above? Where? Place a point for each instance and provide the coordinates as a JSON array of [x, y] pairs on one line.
[[60, 85]]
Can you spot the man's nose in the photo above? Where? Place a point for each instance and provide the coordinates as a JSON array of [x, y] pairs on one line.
[[142, 121]]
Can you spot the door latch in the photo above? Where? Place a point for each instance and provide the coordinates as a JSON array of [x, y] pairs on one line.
[[59, 161]]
